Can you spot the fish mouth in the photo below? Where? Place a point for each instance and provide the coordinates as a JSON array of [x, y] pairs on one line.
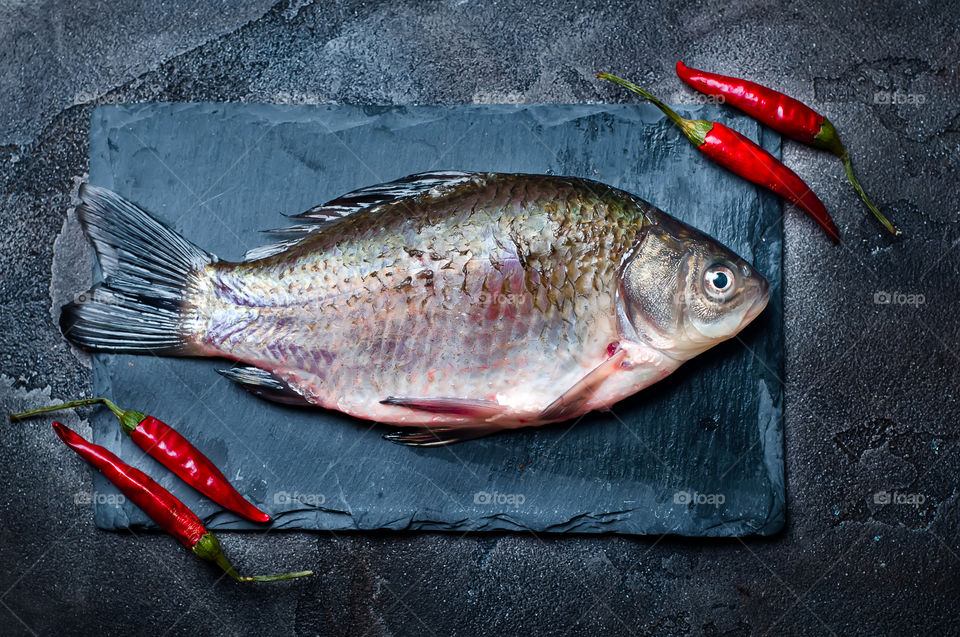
[[759, 304]]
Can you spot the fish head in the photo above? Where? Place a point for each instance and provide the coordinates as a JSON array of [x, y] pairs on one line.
[[681, 292]]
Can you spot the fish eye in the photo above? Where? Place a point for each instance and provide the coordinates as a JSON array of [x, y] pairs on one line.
[[719, 282]]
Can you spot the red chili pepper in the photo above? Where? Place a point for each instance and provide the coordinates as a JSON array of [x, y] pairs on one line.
[[782, 113], [172, 450], [735, 152], [160, 505]]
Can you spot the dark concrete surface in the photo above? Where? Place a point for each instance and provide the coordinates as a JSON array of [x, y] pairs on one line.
[[871, 405]]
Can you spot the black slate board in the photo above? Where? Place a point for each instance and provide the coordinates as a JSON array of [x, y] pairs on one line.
[[700, 453]]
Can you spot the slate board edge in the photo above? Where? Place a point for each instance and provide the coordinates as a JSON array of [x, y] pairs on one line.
[[772, 437], [771, 441]]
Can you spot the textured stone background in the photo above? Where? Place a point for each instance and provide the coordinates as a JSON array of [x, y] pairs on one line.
[[870, 388]]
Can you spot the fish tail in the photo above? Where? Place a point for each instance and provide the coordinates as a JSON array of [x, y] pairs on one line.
[[147, 269]]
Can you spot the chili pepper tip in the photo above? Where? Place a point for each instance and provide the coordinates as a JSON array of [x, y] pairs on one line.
[[166, 445]]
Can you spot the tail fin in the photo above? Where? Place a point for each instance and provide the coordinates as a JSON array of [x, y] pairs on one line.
[[147, 269]]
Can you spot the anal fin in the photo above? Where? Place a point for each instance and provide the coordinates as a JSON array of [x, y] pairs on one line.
[[437, 436], [263, 384]]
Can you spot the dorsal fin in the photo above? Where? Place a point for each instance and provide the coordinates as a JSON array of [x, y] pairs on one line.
[[409, 186], [316, 218]]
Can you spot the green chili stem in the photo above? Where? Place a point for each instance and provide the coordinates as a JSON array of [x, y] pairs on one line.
[[696, 130], [208, 547], [69, 405], [669, 112], [848, 166], [222, 562], [275, 578]]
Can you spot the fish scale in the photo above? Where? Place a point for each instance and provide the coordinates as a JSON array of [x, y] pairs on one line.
[[386, 339]]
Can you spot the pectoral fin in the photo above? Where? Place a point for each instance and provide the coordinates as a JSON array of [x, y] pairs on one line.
[[465, 407], [571, 402]]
